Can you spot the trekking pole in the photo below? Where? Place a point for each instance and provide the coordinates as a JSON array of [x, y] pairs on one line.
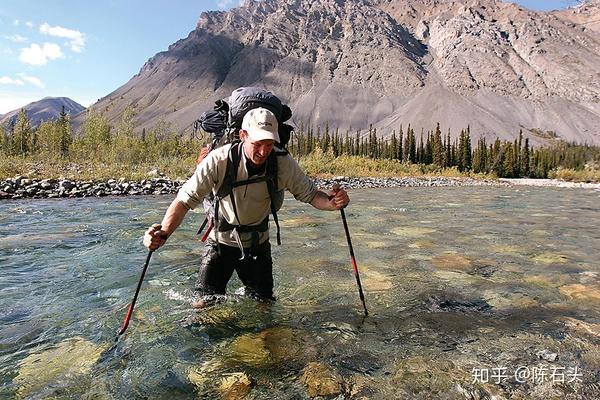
[[336, 187], [137, 291]]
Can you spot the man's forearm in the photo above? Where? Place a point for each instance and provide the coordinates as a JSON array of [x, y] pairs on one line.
[[173, 216]]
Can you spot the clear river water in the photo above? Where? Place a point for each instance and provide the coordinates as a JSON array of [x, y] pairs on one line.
[[473, 292]]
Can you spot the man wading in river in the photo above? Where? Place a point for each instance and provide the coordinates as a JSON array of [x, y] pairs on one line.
[[243, 201]]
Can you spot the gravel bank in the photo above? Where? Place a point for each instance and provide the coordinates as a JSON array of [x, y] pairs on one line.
[[21, 187], [550, 183]]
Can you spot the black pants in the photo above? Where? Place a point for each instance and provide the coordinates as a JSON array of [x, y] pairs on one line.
[[216, 270]]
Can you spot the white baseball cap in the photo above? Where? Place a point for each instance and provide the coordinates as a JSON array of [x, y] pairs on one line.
[[260, 124]]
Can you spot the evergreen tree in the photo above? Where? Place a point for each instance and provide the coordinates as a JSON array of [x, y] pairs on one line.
[[508, 166], [438, 147], [525, 159], [480, 156], [400, 149], [406, 155], [497, 157], [412, 151], [5, 138], [448, 157], [325, 140], [65, 137], [22, 134]]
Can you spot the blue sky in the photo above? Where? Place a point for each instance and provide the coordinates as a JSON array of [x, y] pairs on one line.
[[85, 50]]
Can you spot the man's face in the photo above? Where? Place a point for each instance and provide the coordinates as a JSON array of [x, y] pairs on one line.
[[257, 152]]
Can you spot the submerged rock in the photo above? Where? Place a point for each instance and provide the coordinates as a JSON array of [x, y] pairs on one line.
[[433, 378], [502, 301], [546, 281], [582, 326], [321, 380], [547, 355], [374, 280], [273, 345], [412, 232], [205, 375], [234, 386], [65, 362], [452, 261], [445, 304], [578, 291], [550, 258]]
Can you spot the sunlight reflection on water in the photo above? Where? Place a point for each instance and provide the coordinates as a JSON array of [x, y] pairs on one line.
[[457, 281]]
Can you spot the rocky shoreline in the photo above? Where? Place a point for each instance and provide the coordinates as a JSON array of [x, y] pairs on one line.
[[21, 187]]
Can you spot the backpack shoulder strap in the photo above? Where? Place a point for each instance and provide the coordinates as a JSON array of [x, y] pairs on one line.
[[226, 188], [233, 163], [272, 186]]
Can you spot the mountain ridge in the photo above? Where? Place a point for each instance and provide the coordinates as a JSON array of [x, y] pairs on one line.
[[496, 67]]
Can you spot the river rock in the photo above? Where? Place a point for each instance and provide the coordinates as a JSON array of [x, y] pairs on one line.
[[66, 361], [546, 281], [583, 327], [321, 380], [578, 291], [205, 374], [412, 231], [452, 261], [66, 185], [501, 301], [374, 280], [273, 345], [420, 377], [234, 386], [48, 184], [550, 258], [547, 355]]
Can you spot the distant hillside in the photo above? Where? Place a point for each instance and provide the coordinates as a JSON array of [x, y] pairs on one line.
[[48, 108]]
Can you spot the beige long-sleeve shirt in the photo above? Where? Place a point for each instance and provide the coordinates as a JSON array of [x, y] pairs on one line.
[[252, 200]]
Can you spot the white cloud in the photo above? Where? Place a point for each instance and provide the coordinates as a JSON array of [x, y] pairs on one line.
[[39, 55], [33, 80], [29, 24], [16, 22], [77, 39], [7, 80], [20, 81], [16, 38]]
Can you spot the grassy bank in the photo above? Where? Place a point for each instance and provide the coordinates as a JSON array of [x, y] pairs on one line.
[[174, 168], [571, 175], [316, 164]]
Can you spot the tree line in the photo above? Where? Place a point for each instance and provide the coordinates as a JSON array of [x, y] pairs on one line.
[[99, 142], [505, 159]]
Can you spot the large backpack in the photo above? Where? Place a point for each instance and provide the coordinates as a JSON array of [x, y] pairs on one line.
[[224, 123]]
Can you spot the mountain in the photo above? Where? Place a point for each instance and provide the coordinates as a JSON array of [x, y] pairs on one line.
[[49, 108], [494, 66]]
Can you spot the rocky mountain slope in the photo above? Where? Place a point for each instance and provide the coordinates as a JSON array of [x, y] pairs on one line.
[[494, 66], [49, 108]]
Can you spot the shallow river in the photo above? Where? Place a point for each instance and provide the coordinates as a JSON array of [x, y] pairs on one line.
[[472, 292]]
